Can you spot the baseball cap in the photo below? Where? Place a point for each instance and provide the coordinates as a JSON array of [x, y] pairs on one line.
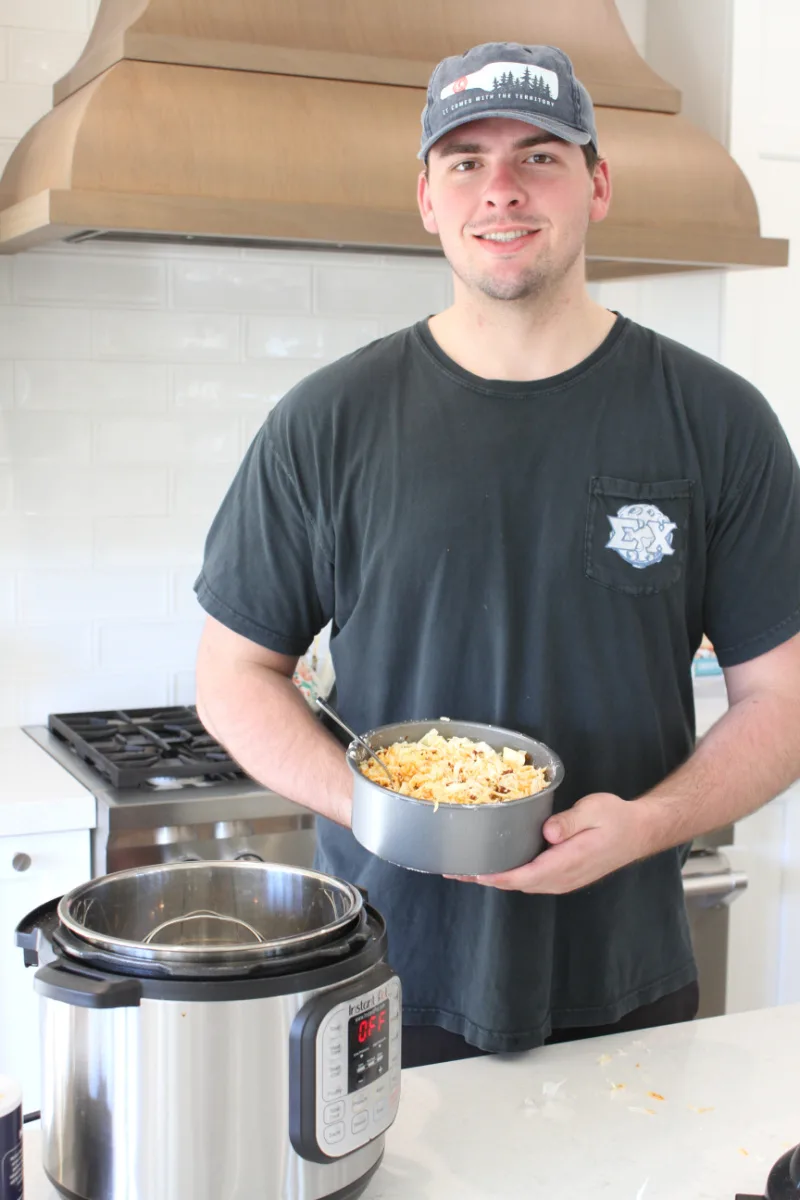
[[536, 84]]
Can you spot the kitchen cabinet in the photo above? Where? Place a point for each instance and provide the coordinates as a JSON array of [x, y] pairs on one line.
[[34, 868]]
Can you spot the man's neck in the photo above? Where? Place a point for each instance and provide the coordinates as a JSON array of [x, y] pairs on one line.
[[515, 341]]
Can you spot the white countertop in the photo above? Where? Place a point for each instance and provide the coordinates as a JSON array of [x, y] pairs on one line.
[[36, 794], [585, 1120]]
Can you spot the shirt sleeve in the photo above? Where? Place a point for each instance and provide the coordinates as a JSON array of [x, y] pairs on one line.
[[266, 574], [752, 598]]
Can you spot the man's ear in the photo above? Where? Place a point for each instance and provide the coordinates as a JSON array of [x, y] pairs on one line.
[[601, 191], [424, 202]]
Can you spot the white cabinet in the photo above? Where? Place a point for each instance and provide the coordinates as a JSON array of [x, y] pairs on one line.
[[34, 868]]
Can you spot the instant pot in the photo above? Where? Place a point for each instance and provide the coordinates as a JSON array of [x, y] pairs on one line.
[[214, 1030]]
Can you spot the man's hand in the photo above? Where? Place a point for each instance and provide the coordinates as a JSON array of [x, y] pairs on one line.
[[598, 835]]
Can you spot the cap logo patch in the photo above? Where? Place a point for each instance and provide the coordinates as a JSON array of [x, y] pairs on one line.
[[537, 82]]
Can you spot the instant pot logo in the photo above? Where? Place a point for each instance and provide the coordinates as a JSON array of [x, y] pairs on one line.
[[641, 534], [365, 1003]]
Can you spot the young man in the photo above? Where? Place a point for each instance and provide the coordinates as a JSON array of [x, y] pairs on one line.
[[526, 510]]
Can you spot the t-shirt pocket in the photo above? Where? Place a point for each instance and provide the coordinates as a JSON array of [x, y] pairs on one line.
[[637, 533]]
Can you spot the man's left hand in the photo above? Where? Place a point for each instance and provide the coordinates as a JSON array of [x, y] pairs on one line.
[[598, 835]]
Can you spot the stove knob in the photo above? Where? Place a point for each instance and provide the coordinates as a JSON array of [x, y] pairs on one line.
[[247, 857], [21, 862]]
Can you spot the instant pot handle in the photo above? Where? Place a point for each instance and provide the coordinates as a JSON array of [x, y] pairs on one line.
[[85, 988], [28, 934]]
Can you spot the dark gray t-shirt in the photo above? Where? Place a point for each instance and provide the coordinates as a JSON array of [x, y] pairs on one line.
[[544, 556]]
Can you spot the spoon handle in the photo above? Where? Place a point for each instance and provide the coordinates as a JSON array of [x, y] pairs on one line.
[[326, 708]]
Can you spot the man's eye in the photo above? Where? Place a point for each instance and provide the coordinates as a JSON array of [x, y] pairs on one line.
[[540, 158], [465, 165]]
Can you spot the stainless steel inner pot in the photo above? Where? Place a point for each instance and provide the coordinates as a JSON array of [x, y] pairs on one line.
[[211, 911]]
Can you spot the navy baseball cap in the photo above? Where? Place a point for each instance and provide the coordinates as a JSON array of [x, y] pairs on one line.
[[536, 84]]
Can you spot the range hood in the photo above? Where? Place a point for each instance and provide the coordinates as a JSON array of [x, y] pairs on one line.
[[286, 122]]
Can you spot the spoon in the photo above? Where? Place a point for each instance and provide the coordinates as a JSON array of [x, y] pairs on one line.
[[326, 708]]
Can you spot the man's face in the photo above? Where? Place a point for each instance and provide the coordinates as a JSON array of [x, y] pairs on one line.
[[511, 205]]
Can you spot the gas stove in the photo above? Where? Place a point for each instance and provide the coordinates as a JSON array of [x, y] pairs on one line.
[[167, 791], [145, 746]]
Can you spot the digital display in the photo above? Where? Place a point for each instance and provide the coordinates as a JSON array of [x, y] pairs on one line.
[[368, 1046]]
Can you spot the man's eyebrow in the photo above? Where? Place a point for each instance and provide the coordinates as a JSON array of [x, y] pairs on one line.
[[539, 139]]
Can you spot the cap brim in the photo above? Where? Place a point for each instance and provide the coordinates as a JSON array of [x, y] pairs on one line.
[[579, 137]]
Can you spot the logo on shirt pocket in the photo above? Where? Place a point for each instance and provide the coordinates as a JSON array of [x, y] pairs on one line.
[[636, 533]]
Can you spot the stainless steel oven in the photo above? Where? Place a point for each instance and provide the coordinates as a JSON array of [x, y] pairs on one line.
[[167, 792]]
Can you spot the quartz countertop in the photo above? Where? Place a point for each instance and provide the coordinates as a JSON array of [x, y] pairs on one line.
[[36, 794], [685, 1112]]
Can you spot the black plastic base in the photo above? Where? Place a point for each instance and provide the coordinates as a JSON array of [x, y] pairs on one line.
[[351, 1192]]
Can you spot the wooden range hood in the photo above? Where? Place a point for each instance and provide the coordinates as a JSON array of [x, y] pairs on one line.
[[264, 122]]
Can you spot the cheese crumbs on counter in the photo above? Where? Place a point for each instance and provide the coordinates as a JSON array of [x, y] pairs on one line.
[[456, 771]]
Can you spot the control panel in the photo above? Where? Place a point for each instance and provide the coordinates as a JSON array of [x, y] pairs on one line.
[[354, 1046]]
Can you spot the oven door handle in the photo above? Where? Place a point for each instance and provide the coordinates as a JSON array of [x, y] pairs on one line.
[[714, 890], [85, 988]]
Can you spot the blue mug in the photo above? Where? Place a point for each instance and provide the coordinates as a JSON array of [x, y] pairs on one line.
[[10, 1139]]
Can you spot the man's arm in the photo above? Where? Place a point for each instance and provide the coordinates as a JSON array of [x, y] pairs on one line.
[[246, 699], [751, 755]]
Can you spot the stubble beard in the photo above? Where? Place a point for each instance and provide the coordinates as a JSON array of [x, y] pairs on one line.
[[540, 280]]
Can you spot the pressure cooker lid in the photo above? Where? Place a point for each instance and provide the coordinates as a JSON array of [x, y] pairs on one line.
[[203, 912]]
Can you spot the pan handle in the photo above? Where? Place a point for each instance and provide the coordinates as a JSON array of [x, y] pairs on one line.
[[85, 988]]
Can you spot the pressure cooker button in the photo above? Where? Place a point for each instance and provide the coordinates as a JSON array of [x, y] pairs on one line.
[[379, 1111], [360, 1122], [333, 1112], [361, 1104], [334, 1049], [334, 1133]]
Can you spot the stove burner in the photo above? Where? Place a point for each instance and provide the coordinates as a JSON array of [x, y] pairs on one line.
[[145, 747]]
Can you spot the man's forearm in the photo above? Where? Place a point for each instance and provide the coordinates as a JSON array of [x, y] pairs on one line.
[[751, 755], [262, 719]]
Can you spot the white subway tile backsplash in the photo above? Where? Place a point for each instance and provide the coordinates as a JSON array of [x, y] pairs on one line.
[[89, 691], [167, 440], [44, 14], [307, 337], [5, 488], [44, 437], [42, 55], [6, 385], [239, 387], [23, 105], [56, 646], [112, 491], [88, 595], [45, 333], [200, 489], [76, 278], [9, 697], [380, 290], [164, 644], [184, 687], [44, 542], [89, 386], [149, 541], [8, 606], [3, 54], [239, 286], [185, 605], [167, 336], [5, 282]]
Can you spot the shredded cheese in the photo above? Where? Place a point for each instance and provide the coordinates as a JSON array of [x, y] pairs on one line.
[[456, 771]]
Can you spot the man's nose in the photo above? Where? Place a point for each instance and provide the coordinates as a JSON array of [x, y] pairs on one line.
[[504, 188]]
